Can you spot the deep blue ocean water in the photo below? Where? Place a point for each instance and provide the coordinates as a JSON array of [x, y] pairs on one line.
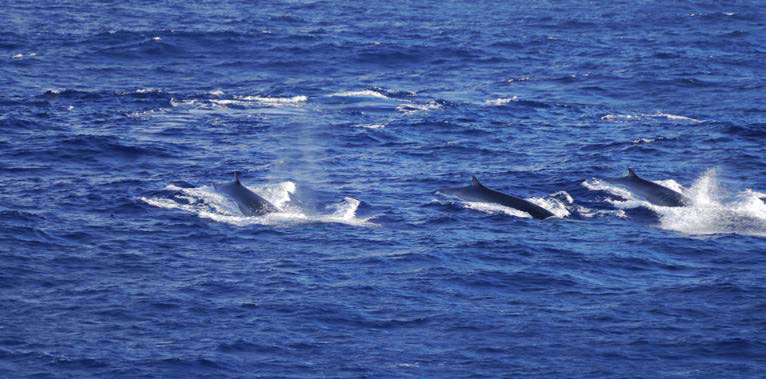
[[118, 259]]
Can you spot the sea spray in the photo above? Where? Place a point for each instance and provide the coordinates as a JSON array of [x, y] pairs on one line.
[[206, 203], [713, 209]]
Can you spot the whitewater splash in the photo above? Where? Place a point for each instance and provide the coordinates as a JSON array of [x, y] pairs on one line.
[[207, 203], [713, 210]]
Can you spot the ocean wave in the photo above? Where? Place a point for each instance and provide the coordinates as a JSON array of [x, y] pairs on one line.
[[377, 93], [641, 141], [372, 126], [501, 101], [146, 114], [274, 100], [416, 108], [241, 101], [205, 202], [141, 91], [644, 117], [86, 94], [152, 46], [364, 93]]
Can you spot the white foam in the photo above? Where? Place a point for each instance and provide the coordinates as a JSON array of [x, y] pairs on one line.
[[415, 108], [642, 117], [365, 93], [614, 117], [146, 114], [600, 185], [274, 100], [345, 213], [243, 101], [148, 90], [372, 126], [674, 117], [205, 202], [712, 210], [141, 91], [496, 208], [179, 103], [225, 102], [22, 55], [216, 92], [591, 213], [501, 101], [556, 203]]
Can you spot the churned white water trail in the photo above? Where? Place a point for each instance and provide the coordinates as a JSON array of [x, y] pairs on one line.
[[205, 202], [713, 209]]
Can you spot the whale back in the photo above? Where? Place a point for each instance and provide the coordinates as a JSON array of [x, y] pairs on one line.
[[652, 192], [248, 202], [477, 192]]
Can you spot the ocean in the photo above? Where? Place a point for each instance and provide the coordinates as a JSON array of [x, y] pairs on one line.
[[119, 259]]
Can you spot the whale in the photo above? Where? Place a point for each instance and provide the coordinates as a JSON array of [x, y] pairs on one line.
[[477, 192], [248, 202], [650, 191]]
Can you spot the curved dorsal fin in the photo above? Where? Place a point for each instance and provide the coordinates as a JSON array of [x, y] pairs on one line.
[[236, 176], [631, 172], [475, 182]]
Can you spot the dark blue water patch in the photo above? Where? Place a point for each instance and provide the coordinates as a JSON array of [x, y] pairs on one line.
[[96, 147], [10, 41], [755, 130]]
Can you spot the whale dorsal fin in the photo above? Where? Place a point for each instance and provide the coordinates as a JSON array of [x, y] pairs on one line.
[[236, 176], [632, 173], [475, 182]]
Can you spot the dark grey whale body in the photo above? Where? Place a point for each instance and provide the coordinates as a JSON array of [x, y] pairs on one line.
[[248, 202], [652, 192], [477, 192]]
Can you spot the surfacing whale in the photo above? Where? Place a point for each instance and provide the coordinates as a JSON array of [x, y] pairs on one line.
[[248, 202], [652, 192], [478, 193]]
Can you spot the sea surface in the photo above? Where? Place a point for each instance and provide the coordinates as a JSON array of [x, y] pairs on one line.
[[118, 259]]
